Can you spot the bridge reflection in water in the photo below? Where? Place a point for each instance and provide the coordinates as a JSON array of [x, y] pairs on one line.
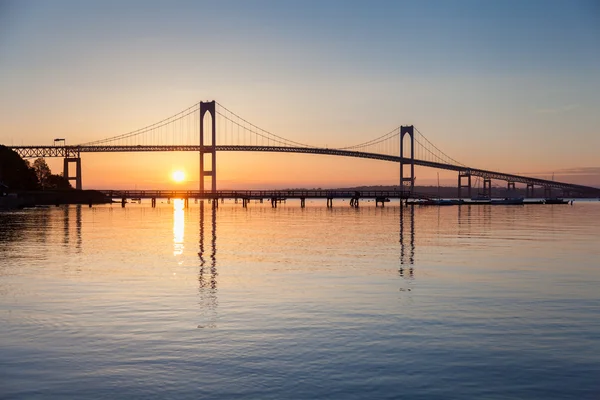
[[407, 218], [178, 227], [207, 274]]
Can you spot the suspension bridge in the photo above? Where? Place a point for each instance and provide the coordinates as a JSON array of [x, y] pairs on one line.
[[226, 131]]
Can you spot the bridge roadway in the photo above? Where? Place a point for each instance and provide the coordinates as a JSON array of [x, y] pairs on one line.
[[263, 194], [74, 151]]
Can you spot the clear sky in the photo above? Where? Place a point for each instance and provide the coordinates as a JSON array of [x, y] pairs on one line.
[[507, 85]]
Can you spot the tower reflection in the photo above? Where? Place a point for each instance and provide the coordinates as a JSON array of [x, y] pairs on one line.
[[78, 227], [207, 280], [67, 226], [407, 256]]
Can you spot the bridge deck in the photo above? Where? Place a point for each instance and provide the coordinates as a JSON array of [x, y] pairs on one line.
[[75, 151], [264, 194]]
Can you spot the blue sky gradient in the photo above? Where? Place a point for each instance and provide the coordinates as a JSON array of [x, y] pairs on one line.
[[508, 85]]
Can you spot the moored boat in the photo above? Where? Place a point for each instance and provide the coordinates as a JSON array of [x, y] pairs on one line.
[[507, 201], [556, 201]]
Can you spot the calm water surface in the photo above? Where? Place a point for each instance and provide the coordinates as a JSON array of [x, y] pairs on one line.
[[290, 303]]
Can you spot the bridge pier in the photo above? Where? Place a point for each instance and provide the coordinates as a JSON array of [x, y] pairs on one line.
[[186, 202], [245, 203], [461, 175], [302, 202], [77, 177], [153, 202], [354, 202], [274, 202], [487, 187], [330, 202], [123, 202], [529, 190], [381, 200], [510, 186]]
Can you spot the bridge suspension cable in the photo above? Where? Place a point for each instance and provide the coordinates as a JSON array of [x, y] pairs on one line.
[[249, 127], [382, 138], [183, 128], [442, 157], [149, 128]]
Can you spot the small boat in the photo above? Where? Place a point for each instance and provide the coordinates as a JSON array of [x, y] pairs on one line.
[[556, 201], [534, 202], [480, 199], [443, 202], [508, 201]]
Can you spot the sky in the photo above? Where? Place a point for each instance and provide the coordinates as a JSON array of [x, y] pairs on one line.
[[512, 86]]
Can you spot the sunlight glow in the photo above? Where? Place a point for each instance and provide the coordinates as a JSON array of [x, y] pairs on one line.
[[178, 226], [178, 176]]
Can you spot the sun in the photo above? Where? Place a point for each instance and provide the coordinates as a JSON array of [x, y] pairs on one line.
[[178, 176]]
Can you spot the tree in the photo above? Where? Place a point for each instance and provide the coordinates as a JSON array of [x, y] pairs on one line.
[[58, 182], [42, 172], [16, 172]]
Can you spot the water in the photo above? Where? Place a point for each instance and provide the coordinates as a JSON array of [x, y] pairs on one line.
[[423, 302]]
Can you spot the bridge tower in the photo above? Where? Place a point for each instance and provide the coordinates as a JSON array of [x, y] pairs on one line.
[[407, 130], [77, 160], [210, 149]]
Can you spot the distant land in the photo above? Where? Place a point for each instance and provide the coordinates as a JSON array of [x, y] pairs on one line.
[[449, 191]]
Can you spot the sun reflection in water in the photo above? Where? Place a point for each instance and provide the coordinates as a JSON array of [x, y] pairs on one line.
[[178, 226]]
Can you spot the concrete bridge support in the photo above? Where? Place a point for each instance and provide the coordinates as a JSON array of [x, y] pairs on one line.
[[529, 190], [510, 186], [487, 187], [410, 180], [302, 202], [153, 202], [462, 175], [381, 200], [77, 177], [330, 202]]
